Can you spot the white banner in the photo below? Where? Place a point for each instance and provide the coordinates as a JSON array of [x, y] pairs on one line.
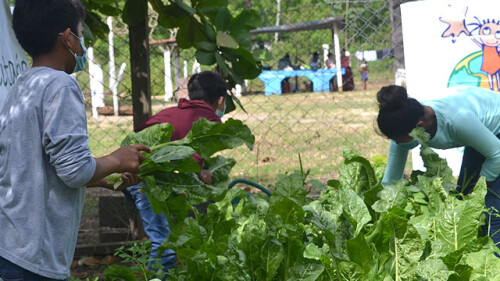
[[449, 43], [13, 60]]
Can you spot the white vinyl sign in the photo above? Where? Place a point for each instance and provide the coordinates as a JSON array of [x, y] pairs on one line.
[[13, 60], [450, 43]]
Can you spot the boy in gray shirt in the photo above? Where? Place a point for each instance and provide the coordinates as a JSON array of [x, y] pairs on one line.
[[45, 161]]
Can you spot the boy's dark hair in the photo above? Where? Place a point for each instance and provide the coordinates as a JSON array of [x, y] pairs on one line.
[[207, 86], [37, 23]]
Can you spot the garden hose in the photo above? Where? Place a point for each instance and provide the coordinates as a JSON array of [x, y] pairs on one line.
[[251, 183]]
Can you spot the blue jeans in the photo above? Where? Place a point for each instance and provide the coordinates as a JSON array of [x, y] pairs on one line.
[[12, 272], [155, 226], [469, 175]]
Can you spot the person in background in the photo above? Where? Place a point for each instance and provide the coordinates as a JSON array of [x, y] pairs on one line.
[[207, 98], [330, 64], [315, 62], [347, 77], [363, 69], [285, 64], [467, 116], [45, 160]]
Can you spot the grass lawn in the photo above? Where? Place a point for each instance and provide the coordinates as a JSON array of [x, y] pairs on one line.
[[318, 126]]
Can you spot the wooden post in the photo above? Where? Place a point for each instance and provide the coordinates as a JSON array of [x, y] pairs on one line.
[[397, 33], [140, 73]]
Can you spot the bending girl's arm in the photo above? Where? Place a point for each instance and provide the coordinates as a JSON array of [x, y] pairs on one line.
[[395, 163]]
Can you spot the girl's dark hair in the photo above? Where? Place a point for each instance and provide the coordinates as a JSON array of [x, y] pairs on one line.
[[207, 86], [398, 114], [37, 23]]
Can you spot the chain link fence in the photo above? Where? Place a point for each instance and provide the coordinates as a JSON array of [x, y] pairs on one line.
[[302, 125], [316, 124]]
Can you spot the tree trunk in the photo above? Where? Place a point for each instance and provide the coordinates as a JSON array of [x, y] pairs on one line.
[[139, 65]]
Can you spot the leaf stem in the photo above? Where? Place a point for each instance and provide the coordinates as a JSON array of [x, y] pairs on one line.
[[396, 256]]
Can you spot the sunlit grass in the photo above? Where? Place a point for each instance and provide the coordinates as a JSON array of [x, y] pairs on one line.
[[318, 126]]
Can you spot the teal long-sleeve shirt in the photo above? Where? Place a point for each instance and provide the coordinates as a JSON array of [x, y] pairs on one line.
[[468, 116]]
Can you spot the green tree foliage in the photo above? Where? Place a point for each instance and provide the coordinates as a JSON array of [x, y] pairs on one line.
[[219, 36]]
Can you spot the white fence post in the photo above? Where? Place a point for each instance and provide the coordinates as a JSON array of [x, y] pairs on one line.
[[96, 84], [113, 83], [169, 92]]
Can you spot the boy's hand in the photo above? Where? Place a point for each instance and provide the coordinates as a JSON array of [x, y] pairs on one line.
[[126, 179], [129, 158], [125, 159], [129, 179]]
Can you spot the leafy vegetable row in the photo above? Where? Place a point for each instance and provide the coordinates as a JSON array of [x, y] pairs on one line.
[[355, 230]]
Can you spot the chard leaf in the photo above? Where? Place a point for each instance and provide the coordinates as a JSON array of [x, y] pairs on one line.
[[351, 271], [156, 195], [231, 266], [433, 188], [486, 266], [220, 168], [432, 269], [186, 165], [354, 209], [251, 238], [458, 222], [272, 255], [151, 136], [190, 235], [390, 226], [190, 184], [391, 196], [288, 213], [328, 221], [291, 187], [359, 252], [306, 270], [435, 166], [208, 137], [170, 153], [409, 252], [313, 252], [366, 178]]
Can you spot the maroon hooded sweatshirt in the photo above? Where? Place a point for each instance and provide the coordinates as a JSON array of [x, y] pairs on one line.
[[182, 118]]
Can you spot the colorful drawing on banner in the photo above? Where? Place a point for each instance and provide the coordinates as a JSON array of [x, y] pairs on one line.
[[481, 68]]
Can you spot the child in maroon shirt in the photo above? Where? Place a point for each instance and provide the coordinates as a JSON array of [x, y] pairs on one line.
[[207, 97]]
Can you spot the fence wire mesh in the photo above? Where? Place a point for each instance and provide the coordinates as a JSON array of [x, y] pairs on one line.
[[299, 122], [316, 125]]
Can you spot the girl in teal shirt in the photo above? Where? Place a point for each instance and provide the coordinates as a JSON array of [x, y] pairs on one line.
[[467, 116]]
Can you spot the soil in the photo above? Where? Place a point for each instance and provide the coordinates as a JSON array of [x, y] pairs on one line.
[[90, 268]]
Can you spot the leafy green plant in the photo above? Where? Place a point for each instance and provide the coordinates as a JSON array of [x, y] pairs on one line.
[[356, 230], [136, 254], [220, 37]]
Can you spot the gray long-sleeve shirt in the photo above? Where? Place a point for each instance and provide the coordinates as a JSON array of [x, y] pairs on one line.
[[44, 162]]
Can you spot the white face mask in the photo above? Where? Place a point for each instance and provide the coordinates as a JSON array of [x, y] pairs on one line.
[[80, 60], [221, 113]]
